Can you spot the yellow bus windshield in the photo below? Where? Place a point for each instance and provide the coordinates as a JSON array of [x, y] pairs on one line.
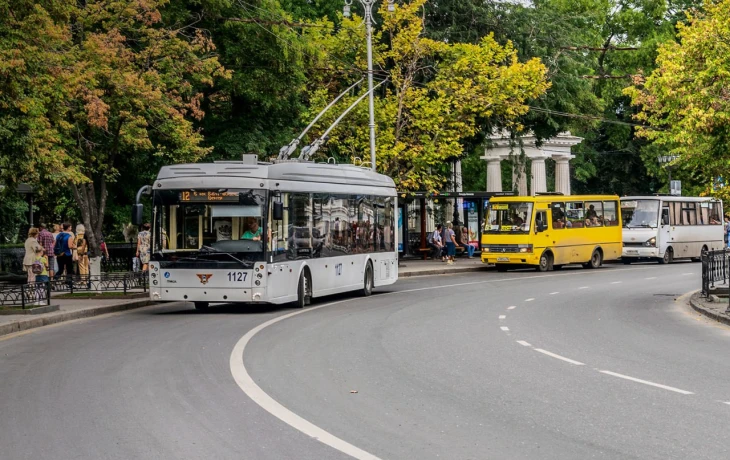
[[508, 217]]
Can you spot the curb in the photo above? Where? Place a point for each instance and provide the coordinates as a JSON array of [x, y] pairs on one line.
[[699, 308], [444, 271], [25, 324]]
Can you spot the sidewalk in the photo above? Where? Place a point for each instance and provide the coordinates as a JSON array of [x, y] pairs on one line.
[[714, 307], [417, 267]]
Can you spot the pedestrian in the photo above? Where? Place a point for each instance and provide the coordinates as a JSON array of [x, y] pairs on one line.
[[31, 244], [727, 230], [47, 240], [63, 250], [40, 269], [56, 231], [143, 246], [435, 242], [462, 239], [450, 243], [82, 250]]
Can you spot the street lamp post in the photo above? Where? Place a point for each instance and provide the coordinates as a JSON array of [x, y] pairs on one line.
[[368, 5], [666, 160]]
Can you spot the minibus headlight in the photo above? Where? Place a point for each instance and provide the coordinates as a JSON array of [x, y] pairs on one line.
[[525, 248], [485, 248], [650, 242]]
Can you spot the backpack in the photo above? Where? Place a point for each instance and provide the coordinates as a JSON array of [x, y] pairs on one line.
[[58, 249], [37, 267]]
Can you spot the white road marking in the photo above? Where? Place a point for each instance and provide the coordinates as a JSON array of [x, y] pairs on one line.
[[646, 382], [247, 384], [553, 293], [563, 358], [530, 299], [523, 343], [502, 316], [584, 287], [504, 328], [650, 278], [685, 274], [726, 402], [615, 282], [512, 307]]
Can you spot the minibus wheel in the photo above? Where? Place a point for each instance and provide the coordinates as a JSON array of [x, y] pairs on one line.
[[546, 262], [668, 257], [304, 290], [699, 259], [596, 259]]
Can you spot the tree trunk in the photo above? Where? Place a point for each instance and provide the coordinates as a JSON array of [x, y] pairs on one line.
[[92, 212]]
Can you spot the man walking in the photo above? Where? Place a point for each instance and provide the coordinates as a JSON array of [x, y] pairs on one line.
[[46, 239], [63, 250]]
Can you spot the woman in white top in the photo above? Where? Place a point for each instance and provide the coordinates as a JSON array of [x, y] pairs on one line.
[[31, 244]]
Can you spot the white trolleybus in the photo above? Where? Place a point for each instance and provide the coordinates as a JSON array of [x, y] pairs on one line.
[[249, 232], [665, 228]]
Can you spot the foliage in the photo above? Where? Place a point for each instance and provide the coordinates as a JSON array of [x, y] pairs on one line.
[[103, 81], [13, 210], [438, 95], [685, 101]]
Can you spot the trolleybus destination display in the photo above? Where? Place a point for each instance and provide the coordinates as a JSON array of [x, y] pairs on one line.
[[208, 196]]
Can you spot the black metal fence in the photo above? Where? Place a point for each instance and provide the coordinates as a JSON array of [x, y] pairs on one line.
[[31, 294], [715, 269], [121, 256], [26, 295]]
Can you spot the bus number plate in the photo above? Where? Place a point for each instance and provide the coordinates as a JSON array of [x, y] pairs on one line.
[[237, 276]]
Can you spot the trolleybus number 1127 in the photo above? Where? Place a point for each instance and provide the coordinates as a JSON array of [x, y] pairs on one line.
[[237, 276]]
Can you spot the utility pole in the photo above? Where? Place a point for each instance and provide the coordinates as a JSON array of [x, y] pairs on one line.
[[368, 5]]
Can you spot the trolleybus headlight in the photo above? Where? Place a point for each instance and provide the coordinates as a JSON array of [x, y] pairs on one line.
[[650, 242]]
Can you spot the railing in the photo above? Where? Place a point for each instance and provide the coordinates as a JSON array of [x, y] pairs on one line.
[[715, 269], [25, 295]]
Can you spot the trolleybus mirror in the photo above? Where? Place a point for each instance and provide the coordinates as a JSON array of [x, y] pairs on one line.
[[278, 211], [137, 214]]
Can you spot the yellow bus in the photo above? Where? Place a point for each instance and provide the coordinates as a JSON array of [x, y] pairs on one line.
[[549, 231]]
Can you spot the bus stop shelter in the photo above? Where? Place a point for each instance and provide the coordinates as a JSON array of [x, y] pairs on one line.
[[420, 212]]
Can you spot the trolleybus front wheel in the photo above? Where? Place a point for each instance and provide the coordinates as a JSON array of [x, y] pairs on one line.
[[304, 290]]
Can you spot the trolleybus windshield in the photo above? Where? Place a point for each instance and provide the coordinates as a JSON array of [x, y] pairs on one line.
[[227, 222]]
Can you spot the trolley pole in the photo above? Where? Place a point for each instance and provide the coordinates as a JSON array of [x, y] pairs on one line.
[[368, 6]]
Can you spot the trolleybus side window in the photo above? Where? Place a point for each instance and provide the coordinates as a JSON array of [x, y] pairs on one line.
[[610, 216]]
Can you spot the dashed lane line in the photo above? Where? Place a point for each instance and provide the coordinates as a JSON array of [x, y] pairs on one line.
[[650, 278], [553, 293], [523, 343], [556, 356], [502, 316], [615, 282], [646, 382], [511, 307], [584, 287], [504, 328], [530, 299]]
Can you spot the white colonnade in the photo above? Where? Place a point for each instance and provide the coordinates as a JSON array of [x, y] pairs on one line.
[[504, 148]]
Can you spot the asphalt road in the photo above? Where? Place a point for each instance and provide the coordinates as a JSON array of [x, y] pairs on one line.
[[587, 364]]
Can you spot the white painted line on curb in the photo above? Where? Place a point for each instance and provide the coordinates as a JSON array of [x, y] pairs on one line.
[[563, 358], [553, 293], [615, 282], [523, 343], [504, 328], [247, 384], [512, 307], [502, 316], [530, 299], [646, 382]]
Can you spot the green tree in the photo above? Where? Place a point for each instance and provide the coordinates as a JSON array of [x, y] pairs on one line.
[[437, 96], [685, 101], [115, 84]]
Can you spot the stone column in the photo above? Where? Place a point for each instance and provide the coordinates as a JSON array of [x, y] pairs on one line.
[[494, 175], [562, 175], [539, 179], [519, 179]]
